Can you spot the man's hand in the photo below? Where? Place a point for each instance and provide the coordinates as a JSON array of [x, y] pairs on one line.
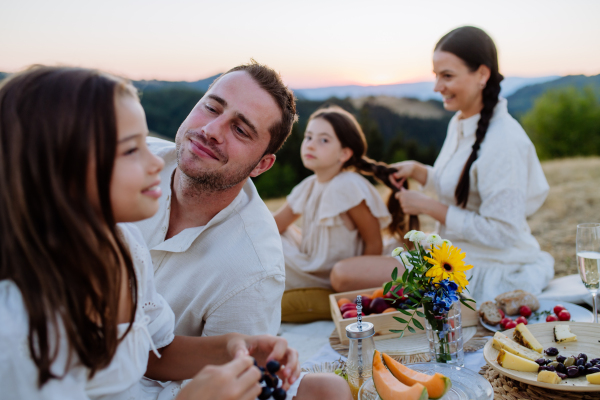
[[236, 380], [265, 348]]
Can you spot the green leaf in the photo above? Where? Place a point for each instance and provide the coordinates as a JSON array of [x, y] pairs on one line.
[[387, 287], [414, 300], [403, 321], [420, 314], [397, 331], [401, 334], [411, 329], [418, 324], [395, 274], [467, 305], [417, 294], [404, 312], [471, 300], [405, 275]]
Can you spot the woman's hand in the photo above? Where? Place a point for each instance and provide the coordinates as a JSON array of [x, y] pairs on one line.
[[408, 169], [415, 203], [236, 380], [265, 348]]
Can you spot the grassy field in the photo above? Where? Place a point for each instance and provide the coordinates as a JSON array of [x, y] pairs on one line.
[[574, 198]]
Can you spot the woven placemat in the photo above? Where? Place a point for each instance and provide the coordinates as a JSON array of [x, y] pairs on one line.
[[477, 342], [510, 389]]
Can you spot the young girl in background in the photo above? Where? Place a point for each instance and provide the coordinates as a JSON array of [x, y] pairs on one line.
[[342, 212], [79, 315]]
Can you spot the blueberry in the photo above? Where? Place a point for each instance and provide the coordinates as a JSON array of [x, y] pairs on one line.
[[588, 365], [561, 375], [265, 393], [593, 370], [580, 362], [584, 356], [595, 361], [542, 368], [561, 368], [273, 366], [279, 394], [572, 372], [550, 368], [540, 361], [581, 370], [561, 359], [551, 351]]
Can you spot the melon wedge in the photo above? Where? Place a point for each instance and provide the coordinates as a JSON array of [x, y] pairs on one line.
[[390, 388], [436, 385]]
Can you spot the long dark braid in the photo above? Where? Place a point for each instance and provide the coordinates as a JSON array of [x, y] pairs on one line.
[[475, 48], [351, 136]]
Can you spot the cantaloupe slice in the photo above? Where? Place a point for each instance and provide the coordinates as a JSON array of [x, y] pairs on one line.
[[436, 385], [390, 388]]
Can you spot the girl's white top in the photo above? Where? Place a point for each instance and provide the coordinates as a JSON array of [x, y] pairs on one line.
[[507, 185], [327, 234], [152, 328]]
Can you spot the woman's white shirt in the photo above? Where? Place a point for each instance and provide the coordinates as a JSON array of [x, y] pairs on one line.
[[152, 328], [507, 184]]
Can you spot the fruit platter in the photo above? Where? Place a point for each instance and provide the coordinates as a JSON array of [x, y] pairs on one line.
[[556, 355], [513, 308], [393, 380]]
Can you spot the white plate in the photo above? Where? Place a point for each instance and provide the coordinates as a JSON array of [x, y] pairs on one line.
[[578, 314], [466, 384]]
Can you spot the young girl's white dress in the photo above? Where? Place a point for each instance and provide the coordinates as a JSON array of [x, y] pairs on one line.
[[507, 184], [152, 328], [327, 234]]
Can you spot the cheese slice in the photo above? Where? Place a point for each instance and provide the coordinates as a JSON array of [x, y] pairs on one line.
[[563, 334], [548, 377], [516, 363], [526, 338], [594, 378], [501, 341]]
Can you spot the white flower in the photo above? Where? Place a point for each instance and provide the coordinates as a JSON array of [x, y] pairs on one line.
[[397, 251], [446, 241], [434, 240], [408, 234], [404, 259], [417, 236]]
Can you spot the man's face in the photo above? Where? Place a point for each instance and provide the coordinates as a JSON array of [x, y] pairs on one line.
[[223, 139]]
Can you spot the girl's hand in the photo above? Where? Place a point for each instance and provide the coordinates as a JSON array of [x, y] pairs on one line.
[[236, 380], [265, 348], [412, 202], [408, 169]]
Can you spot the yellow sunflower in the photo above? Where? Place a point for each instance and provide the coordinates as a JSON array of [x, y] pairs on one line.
[[448, 263]]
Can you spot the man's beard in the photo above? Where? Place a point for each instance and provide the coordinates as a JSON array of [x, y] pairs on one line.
[[211, 181]]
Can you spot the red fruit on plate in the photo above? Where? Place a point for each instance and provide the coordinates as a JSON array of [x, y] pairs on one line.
[[558, 308], [505, 321], [347, 307], [551, 318], [521, 320], [501, 312], [351, 314], [564, 315], [510, 325], [525, 311]]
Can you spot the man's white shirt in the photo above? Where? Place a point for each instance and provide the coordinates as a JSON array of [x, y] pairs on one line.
[[226, 276]]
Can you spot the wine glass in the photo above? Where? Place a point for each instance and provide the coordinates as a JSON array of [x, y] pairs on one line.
[[588, 259]]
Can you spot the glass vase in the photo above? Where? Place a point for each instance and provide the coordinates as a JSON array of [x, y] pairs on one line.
[[444, 333]]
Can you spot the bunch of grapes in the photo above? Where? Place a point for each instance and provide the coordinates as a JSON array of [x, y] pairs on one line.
[[271, 381]]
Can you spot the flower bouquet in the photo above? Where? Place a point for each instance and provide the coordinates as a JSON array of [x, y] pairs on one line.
[[434, 279]]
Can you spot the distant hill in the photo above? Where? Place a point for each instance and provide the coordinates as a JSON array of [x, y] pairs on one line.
[[522, 100], [201, 85], [417, 90]]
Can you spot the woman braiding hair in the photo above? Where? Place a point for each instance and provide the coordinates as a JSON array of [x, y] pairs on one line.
[[487, 177]]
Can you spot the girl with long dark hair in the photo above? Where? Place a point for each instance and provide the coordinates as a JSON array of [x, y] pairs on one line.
[[487, 177], [79, 315], [343, 214]]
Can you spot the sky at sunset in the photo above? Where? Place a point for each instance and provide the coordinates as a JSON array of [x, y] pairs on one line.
[[312, 43]]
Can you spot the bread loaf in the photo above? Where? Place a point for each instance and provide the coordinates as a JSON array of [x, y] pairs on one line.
[[489, 313], [510, 302]]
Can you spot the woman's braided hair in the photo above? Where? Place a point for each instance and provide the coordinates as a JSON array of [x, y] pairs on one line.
[[475, 48], [350, 135]]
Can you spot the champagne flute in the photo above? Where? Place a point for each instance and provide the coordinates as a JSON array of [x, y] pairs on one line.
[[588, 259]]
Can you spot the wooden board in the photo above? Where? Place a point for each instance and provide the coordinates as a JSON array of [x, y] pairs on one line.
[[588, 337], [384, 322]]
